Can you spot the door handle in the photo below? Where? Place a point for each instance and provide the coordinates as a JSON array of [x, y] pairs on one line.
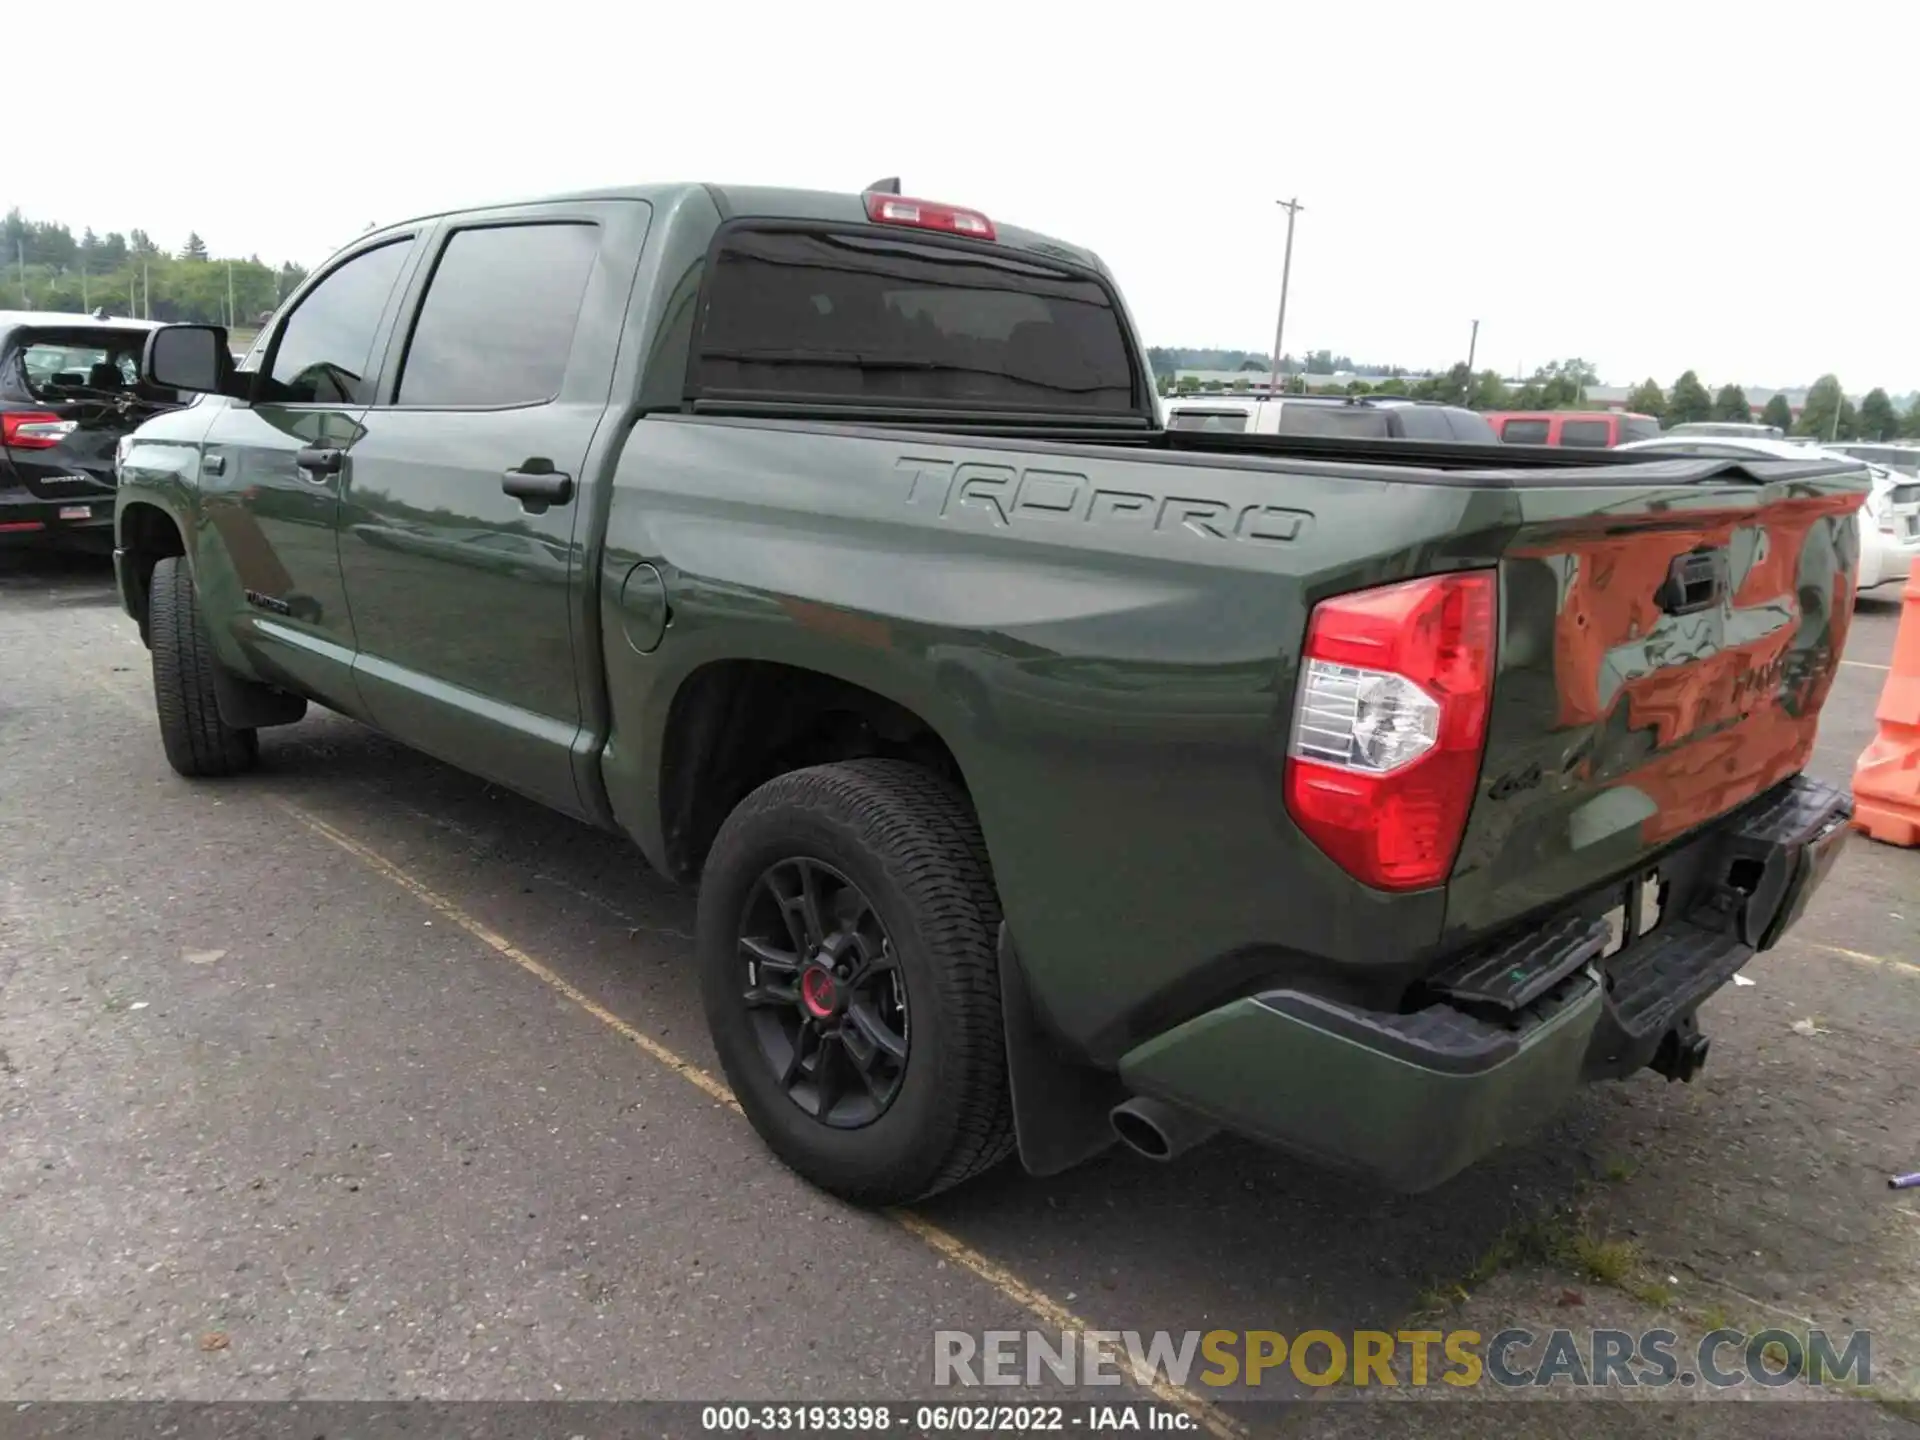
[[320, 460], [542, 487]]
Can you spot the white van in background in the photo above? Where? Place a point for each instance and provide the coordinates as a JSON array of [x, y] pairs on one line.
[[1889, 456], [1377, 417]]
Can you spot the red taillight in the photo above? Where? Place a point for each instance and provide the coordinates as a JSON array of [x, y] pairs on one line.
[[926, 215], [34, 429], [1389, 724]]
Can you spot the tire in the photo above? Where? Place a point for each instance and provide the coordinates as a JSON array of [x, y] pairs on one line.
[[911, 847], [197, 741]]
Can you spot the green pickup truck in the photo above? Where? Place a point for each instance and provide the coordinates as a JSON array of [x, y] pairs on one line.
[[1050, 777]]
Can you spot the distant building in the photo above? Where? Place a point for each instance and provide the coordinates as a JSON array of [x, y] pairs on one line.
[[1259, 380], [1225, 379]]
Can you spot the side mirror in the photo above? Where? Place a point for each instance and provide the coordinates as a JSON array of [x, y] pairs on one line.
[[190, 357]]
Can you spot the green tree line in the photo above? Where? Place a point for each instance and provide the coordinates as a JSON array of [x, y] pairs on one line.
[[47, 267], [1826, 414], [1562, 385], [1166, 359]]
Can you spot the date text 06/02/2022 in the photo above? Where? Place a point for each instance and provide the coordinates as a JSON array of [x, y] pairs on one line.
[[922, 1419]]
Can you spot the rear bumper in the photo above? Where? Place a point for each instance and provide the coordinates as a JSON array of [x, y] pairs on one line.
[[1511, 1030], [27, 519], [1886, 559]]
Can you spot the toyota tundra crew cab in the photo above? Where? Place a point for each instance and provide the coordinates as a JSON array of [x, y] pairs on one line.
[[1049, 776]]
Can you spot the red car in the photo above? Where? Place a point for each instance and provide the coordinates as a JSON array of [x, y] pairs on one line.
[[1600, 429]]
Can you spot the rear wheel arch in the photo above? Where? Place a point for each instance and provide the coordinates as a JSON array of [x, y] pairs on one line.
[[734, 724]]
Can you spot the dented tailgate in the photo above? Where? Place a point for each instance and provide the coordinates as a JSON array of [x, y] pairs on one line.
[[1665, 651]]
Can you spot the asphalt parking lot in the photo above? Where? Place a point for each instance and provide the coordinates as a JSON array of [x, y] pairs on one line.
[[361, 1079]]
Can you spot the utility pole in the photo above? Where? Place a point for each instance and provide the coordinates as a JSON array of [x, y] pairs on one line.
[[20, 254], [85, 303], [146, 287], [1292, 207], [229, 294], [1473, 343]]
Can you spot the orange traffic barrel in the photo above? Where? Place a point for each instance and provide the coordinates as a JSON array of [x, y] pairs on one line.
[[1886, 782]]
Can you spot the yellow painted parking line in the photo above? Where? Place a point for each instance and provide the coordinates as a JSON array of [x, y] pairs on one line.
[[1860, 957], [950, 1247], [493, 940]]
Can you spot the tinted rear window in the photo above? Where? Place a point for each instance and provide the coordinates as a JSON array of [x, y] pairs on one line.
[[1585, 432], [1524, 432], [1637, 427], [867, 319], [1232, 420]]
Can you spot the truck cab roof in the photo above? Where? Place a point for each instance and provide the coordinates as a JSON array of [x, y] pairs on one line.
[[750, 201]]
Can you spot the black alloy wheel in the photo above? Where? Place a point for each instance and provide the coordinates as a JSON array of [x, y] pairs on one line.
[[849, 969], [828, 996]]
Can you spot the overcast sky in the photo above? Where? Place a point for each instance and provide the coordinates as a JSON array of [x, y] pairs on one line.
[[1722, 186]]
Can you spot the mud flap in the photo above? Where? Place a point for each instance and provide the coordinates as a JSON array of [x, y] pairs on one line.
[[1060, 1108], [248, 705]]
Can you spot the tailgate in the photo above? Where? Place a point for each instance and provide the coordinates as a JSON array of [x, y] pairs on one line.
[[79, 466], [1665, 651]]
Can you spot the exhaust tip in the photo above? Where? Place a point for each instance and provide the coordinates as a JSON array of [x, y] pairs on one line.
[[1140, 1135], [1158, 1131]]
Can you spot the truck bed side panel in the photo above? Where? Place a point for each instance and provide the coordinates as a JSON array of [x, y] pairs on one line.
[[1107, 645]]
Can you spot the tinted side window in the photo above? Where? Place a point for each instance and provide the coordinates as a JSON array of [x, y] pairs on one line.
[[1418, 422], [322, 355], [1585, 432], [496, 327], [1635, 427], [1471, 427], [879, 320], [1525, 432]]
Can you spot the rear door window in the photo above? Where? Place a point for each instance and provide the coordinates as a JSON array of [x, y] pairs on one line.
[[1586, 432], [867, 319], [496, 327], [1637, 427], [1525, 432]]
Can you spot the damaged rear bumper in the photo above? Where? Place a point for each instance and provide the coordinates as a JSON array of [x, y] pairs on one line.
[[1512, 1029]]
